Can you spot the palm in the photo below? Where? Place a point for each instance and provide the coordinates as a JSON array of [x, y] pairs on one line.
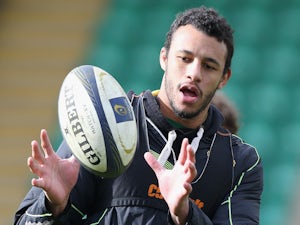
[[56, 176], [59, 177], [175, 184]]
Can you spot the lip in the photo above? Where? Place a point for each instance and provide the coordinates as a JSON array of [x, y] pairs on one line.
[[190, 93]]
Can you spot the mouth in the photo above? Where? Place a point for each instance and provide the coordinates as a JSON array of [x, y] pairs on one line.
[[190, 93]]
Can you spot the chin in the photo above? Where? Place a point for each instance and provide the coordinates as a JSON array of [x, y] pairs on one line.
[[183, 114]]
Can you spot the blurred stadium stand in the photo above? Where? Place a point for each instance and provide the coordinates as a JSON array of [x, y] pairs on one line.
[[42, 41]]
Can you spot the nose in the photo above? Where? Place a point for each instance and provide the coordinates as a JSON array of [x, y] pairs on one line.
[[194, 72]]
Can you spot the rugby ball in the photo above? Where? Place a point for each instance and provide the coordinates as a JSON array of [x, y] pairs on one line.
[[97, 121]]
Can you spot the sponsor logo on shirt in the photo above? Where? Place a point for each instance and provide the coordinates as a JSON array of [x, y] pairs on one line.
[[154, 192]]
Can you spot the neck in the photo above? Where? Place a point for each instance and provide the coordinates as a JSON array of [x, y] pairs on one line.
[[192, 123]]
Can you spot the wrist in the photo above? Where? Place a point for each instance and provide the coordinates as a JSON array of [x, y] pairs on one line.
[[56, 209], [180, 217]]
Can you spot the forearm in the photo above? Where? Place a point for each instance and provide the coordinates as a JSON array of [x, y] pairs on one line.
[[33, 209]]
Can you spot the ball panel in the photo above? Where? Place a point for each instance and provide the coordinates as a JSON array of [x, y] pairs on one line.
[[119, 115], [90, 79], [80, 124], [100, 96]]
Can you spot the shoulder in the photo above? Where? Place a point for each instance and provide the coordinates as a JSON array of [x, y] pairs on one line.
[[248, 171], [245, 154]]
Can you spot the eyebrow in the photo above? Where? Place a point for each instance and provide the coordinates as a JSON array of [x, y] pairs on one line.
[[212, 60]]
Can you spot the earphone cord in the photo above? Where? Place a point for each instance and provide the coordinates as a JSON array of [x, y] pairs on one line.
[[166, 152]]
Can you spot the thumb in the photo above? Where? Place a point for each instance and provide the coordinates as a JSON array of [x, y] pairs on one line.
[[75, 162], [73, 159], [153, 163]]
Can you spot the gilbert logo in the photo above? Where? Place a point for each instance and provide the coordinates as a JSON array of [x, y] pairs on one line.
[[75, 127]]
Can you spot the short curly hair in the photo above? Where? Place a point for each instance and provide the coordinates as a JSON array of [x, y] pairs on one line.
[[208, 21]]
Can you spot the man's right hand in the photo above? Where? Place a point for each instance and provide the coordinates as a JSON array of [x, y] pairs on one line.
[[56, 176]]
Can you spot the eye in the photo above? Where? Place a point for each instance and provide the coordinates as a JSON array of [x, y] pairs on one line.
[[208, 66], [185, 59]]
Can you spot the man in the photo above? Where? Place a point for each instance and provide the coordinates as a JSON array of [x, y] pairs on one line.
[[216, 179]]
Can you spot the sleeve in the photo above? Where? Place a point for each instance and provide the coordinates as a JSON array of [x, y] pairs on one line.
[[241, 205], [33, 210]]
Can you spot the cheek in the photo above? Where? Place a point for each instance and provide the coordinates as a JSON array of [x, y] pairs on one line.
[[170, 83], [214, 82], [210, 86], [174, 73]]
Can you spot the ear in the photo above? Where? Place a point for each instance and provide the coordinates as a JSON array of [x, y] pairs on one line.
[[163, 58], [224, 79]]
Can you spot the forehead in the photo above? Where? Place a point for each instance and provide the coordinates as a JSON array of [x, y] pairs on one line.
[[200, 44]]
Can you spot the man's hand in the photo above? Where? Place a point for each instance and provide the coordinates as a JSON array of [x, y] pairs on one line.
[[56, 176], [175, 184]]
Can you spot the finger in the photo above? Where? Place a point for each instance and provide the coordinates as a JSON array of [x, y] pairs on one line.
[[191, 172], [153, 163], [38, 182], [36, 152], [190, 157], [191, 154], [188, 188], [34, 166], [183, 152], [39, 171], [45, 143], [74, 161], [29, 163]]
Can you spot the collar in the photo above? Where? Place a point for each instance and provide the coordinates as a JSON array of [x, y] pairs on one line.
[[212, 123]]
